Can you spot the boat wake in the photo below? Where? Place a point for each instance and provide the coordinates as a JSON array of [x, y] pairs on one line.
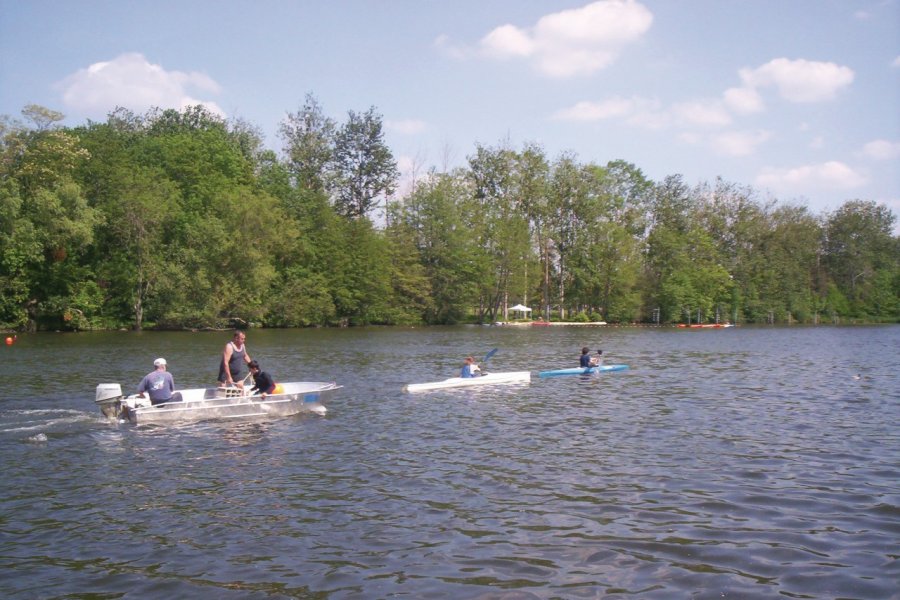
[[41, 420]]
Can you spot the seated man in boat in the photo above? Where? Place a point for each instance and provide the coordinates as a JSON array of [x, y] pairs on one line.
[[470, 369], [263, 384], [159, 384]]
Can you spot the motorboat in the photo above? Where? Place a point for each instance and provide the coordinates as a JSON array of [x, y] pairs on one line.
[[199, 404]]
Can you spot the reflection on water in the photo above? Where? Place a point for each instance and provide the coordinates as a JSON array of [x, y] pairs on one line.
[[746, 463]]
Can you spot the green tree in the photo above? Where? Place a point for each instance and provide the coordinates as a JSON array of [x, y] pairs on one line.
[[365, 169], [502, 225], [861, 256], [438, 213], [309, 145], [537, 201], [43, 200], [685, 269], [138, 259]]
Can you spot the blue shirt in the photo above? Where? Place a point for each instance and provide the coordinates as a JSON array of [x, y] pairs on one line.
[[586, 360], [159, 385], [467, 371]]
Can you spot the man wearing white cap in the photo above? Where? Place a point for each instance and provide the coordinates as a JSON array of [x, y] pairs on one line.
[[159, 384]]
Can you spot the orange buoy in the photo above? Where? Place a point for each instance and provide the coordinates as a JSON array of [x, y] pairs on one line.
[[9, 341]]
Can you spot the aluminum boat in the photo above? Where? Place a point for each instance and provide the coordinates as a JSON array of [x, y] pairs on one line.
[[200, 404]]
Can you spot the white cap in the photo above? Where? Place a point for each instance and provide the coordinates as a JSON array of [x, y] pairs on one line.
[[159, 362]]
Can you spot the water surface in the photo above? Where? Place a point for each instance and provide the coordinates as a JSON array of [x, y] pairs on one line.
[[737, 463]]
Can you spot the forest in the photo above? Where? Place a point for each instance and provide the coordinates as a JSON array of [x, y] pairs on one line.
[[180, 219]]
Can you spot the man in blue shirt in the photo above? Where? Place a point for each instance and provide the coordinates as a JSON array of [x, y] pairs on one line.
[[587, 362], [158, 384], [585, 358]]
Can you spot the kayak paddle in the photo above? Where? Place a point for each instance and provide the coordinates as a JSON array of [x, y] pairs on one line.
[[488, 356]]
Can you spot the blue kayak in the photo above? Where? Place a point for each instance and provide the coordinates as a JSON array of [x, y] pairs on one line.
[[582, 370]]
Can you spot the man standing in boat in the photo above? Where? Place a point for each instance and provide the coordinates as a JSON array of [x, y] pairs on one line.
[[158, 384], [234, 357]]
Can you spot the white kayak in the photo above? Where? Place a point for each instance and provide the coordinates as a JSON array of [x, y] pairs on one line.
[[454, 382]]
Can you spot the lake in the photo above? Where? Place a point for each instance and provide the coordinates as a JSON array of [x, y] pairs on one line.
[[750, 462]]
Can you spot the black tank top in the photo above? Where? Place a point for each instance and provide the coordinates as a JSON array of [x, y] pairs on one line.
[[235, 363]]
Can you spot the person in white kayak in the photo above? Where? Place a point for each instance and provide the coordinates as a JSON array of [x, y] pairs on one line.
[[470, 369]]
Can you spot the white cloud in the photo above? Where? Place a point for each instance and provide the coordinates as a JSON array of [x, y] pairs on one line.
[[739, 143], [743, 100], [810, 178], [896, 62], [508, 41], [572, 42], [596, 111], [406, 126], [701, 112], [799, 80], [882, 150], [642, 112], [648, 113], [130, 81]]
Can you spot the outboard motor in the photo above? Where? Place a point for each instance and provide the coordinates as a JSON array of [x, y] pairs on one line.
[[109, 399]]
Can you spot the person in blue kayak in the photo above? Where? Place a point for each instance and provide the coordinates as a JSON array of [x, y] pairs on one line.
[[158, 384], [470, 369], [587, 361]]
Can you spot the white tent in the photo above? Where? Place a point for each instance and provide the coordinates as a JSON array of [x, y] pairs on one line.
[[520, 308]]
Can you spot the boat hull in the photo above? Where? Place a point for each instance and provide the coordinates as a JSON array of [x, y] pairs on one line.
[[582, 370], [457, 382], [202, 404]]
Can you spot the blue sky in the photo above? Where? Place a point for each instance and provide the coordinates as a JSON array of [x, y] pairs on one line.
[[799, 99]]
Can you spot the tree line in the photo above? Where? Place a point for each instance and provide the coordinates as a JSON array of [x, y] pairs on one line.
[[182, 219]]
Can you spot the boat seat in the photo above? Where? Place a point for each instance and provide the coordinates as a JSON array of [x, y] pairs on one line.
[[229, 392]]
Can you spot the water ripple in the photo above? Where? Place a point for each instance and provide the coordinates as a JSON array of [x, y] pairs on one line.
[[745, 463]]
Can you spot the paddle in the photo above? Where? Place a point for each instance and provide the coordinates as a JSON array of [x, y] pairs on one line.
[[487, 357]]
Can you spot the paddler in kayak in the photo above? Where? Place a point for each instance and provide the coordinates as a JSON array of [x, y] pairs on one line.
[[587, 361], [470, 369]]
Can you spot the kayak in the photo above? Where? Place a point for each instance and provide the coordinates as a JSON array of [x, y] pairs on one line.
[[455, 382], [582, 370]]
